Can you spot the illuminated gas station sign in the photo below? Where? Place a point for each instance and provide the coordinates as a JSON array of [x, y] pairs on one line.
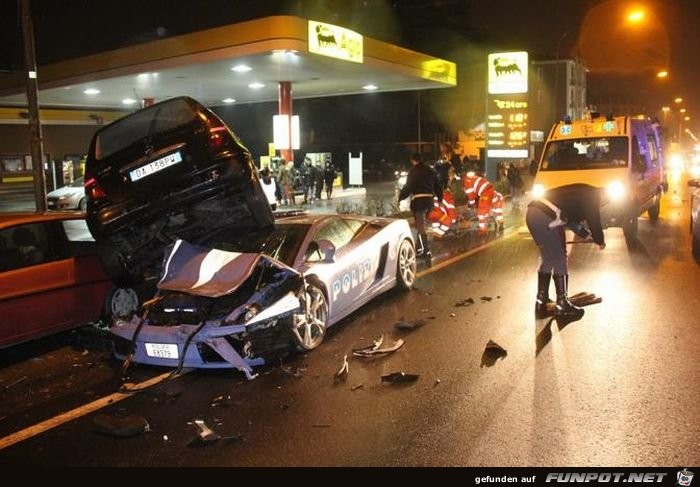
[[508, 72], [336, 42], [507, 127]]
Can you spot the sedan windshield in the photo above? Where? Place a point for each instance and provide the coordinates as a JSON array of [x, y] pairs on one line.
[[588, 153], [281, 242]]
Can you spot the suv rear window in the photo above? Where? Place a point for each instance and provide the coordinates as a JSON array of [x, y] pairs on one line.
[[160, 118]]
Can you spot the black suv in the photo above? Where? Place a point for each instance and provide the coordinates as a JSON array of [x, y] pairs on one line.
[[172, 170]]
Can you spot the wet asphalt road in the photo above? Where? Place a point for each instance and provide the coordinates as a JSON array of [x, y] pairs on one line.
[[619, 387]]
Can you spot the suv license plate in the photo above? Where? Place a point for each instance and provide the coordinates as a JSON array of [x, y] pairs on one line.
[[162, 350], [155, 166]]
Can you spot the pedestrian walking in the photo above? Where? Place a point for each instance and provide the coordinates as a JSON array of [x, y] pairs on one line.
[[547, 217], [516, 183], [318, 181], [329, 175], [422, 186]]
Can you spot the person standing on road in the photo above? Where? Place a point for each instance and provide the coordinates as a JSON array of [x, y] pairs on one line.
[[329, 175], [318, 181], [307, 180], [285, 177], [269, 187], [515, 181], [547, 217], [422, 186]]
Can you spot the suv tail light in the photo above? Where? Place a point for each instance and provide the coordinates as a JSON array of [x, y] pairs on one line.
[[93, 189], [217, 139]]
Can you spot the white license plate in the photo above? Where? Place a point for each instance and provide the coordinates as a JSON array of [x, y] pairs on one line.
[[162, 350], [155, 166]]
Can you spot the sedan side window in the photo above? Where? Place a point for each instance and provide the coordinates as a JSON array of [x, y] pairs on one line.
[[339, 232], [31, 244]]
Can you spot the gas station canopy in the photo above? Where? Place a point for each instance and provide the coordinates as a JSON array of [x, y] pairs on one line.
[[239, 63]]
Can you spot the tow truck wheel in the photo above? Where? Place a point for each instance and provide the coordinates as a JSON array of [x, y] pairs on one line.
[[309, 325], [630, 229], [655, 209]]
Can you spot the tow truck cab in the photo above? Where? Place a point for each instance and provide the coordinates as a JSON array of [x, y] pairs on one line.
[[621, 155]]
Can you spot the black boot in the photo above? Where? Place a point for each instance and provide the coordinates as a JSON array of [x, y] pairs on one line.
[[543, 279], [564, 307]]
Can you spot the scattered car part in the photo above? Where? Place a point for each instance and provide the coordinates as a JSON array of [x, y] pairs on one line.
[[342, 373], [464, 302], [379, 351], [127, 426], [409, 325], [399, 378]]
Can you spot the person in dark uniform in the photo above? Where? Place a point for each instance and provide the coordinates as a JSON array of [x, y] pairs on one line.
[[547, 217], [329, 175], [422, 186]]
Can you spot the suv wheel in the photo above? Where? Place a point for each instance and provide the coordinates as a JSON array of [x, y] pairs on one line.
[[655, 209], [630, 229]]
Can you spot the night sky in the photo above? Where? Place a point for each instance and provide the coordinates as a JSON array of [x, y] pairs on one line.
[[460, 30]]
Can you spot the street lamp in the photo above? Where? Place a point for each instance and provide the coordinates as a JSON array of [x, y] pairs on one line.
[[636, 16], [662, 74], [678, 100], [683, 110]]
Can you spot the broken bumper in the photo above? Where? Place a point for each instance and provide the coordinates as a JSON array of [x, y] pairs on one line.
[[214, 346]]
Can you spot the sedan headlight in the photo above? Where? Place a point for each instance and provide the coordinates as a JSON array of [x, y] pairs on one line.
[[616, 191], [537, 190], [402, 181]]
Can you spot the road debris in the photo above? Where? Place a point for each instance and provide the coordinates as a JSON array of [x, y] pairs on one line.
[[221, 401], [357, 387], [321, 425], [375, 349], [410, 325], [16, 382], [120, 427], [296, 372], [492, 353], [437, 383], [399, 378], [452, 315], [206, 434], [486, 299], [464, 302], [342, 374]]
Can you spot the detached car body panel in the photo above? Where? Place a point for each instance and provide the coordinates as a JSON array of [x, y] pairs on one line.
[[237, 298], [50, 276], [172, 170]]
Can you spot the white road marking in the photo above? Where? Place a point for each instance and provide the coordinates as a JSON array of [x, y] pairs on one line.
[[83, 410]]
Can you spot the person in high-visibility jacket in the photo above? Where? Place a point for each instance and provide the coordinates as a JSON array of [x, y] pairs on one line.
[[443, 215], [481, 192]]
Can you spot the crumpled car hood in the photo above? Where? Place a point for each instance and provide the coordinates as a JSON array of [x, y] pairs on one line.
[[212, 273]]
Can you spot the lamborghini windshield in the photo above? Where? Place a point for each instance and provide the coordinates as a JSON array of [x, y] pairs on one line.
[[586, 153]]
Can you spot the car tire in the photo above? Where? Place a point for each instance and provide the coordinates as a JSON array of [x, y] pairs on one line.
[[630, 229], [120, 303], [309, 325], [82, 204], [655, 209], [406, 265]]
